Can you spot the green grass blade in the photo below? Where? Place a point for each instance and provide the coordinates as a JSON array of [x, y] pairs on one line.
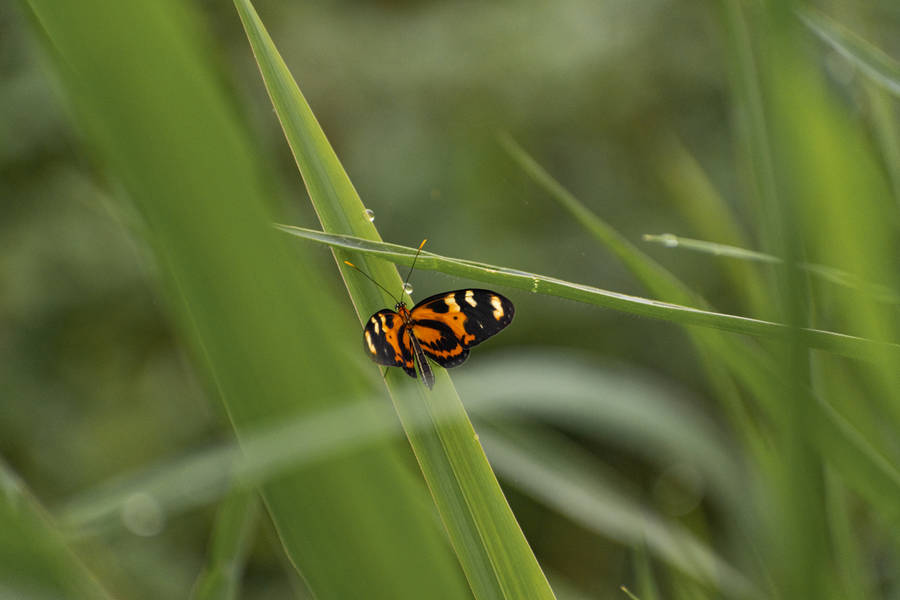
[[270, 453], [657, 278], [643, 573], [751, 115], [869, 472], [564, 477], [628, 593], [833, 210], [851, 574], [35, 563], [838, 343], [151, 104], [690, 189], [826, 273], [868, 58], [490, 546], [614, 404], [741, 362], [826, 161], [265, 453], [231, 538], [861, 466], [670, 240], [887, 132]]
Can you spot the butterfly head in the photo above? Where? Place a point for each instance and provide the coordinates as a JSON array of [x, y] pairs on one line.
[[404, 313], [400, 307]]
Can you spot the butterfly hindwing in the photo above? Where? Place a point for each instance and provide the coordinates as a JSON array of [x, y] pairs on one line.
[[439, 340], [409, 351], [447, 325], [386, 341]]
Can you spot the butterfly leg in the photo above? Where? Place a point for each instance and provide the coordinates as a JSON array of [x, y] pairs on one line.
[[424, 367]]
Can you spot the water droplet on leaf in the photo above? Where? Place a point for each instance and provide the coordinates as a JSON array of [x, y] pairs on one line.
[[669, 240]]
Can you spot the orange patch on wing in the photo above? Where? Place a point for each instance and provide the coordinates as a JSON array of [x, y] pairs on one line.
[[427, 335], [408, 345], [446, 353], [454, 320]]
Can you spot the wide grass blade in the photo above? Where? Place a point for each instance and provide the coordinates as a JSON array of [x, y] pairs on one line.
[[614, 404], [204, 476], [843, 202], [157, 116], [822, 200], [833, 436], [564, 477], [490, 546], [838, 343]]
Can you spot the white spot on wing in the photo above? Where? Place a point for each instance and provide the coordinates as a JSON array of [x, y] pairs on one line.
[[375, 323], [469, 298], [498, 307], [370, 344], [450, 301]]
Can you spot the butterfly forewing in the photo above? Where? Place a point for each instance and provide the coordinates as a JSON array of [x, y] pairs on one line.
[[448, 324], [440, 342]]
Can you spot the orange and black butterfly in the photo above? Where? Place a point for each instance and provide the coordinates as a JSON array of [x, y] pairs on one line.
[[442, 327]]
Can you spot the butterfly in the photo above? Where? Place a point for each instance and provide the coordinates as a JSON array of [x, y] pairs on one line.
[[442, 327]]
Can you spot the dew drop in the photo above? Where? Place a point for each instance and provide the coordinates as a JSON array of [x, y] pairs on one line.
[[408, 288], [142, 514], [370, 214], [668, 240]]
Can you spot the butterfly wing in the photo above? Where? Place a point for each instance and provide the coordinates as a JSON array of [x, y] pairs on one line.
[[447, 325], [386, 341]]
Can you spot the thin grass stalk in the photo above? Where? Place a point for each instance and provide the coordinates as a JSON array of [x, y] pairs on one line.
[[488, 542]]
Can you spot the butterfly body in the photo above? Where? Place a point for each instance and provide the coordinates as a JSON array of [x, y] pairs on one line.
[[442, 327]]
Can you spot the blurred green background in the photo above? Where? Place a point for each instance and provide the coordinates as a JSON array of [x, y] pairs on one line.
[[631, 106]]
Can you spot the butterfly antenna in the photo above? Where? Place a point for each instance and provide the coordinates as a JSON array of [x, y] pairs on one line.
[[366, 275], [412, 266]]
